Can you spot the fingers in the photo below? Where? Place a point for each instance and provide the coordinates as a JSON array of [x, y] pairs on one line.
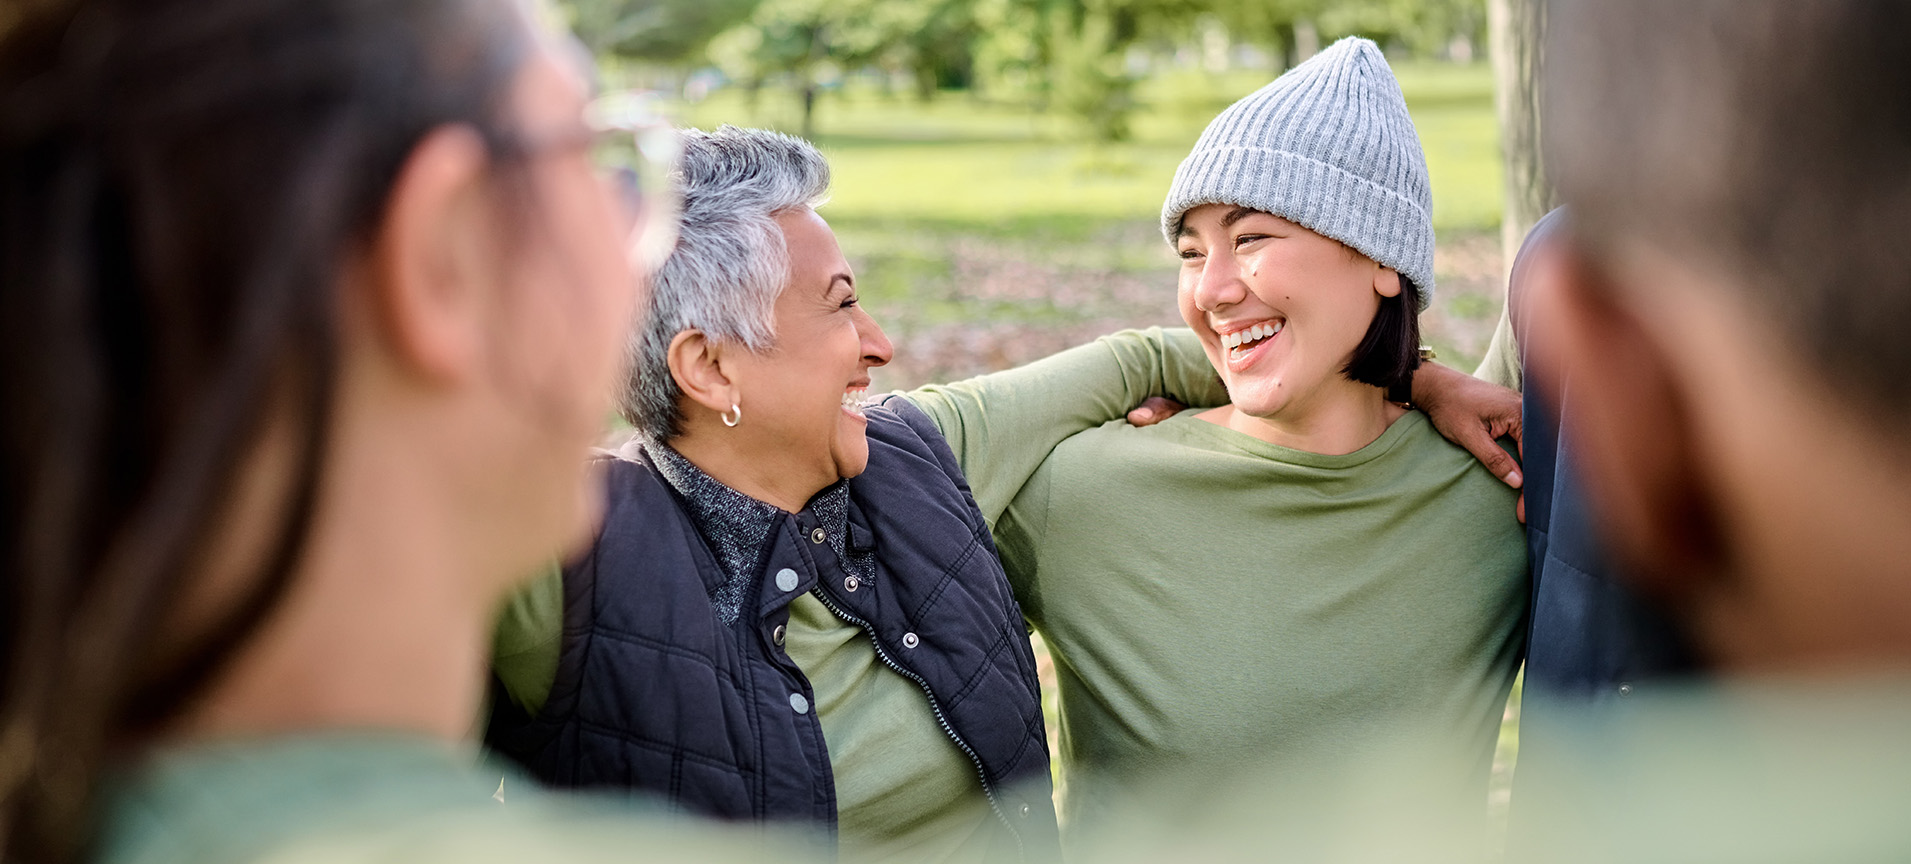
[[1520, 508], [1496, 460], [1153, 410]]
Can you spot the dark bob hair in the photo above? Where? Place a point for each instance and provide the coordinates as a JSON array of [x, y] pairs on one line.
[[1390, 351]]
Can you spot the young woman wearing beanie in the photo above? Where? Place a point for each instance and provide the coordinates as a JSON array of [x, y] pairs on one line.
[[1294, 579]]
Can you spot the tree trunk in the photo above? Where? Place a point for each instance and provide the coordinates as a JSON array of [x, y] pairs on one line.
[[1515, 33], [1285, 43], [809, 109]]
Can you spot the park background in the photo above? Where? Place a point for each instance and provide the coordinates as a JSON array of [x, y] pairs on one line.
[[999, 165]]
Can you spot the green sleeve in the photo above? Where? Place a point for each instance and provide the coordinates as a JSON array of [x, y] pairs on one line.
[[529, 635], [1018, 542], [1001, 426], [1501, 365]]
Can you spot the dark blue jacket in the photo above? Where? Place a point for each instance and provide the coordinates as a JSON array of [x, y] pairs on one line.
[[654, 693], [1592, 637]]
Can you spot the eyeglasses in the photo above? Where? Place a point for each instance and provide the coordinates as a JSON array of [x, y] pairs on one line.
[[638, 151]]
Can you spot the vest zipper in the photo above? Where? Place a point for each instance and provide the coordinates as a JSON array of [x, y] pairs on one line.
[[1021, 851]]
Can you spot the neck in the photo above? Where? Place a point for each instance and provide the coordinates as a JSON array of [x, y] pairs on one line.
[[387, 621], [1334, 423], [729, 460]]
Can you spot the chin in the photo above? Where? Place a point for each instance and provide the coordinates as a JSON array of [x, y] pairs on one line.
[[1253, 399], [852, 457], [852, 466]]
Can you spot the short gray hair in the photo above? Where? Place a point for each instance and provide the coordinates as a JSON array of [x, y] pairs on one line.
[[730, 262]]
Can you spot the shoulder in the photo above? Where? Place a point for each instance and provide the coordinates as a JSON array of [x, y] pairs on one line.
[[895, 418], [641, 511], [629, 477], [903, 437]]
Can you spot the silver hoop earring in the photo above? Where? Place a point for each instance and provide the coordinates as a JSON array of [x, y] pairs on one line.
[[729, 420]]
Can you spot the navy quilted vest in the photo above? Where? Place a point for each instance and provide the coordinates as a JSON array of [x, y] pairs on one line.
[[653, 693]]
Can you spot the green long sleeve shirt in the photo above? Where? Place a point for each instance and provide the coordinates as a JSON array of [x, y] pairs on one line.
[[1215, 602]]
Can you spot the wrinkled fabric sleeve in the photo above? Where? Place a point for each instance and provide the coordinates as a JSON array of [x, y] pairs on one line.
[[1002, 426], [1501, 365], [528, 638]]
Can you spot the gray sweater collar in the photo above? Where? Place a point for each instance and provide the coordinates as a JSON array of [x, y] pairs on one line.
[[737, 526]]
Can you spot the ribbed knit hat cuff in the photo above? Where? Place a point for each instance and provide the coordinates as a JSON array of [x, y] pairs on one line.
[[1331, 202]]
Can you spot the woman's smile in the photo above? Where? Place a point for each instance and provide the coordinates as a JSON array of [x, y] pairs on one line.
[[1246, 343], [854, 399]]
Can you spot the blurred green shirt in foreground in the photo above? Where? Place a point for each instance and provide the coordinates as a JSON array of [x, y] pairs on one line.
[[352, 797]]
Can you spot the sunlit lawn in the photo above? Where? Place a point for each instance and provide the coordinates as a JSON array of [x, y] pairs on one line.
[[985, 234]]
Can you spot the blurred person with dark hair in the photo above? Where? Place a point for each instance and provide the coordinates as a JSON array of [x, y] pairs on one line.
[[308, 313], [1723, 314]]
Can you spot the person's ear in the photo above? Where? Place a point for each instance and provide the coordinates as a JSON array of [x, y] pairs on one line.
[[1386, 282], [1626, 409], [430, 267], [697, 364]]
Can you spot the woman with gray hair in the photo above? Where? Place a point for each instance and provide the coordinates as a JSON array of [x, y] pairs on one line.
[[794, 609]]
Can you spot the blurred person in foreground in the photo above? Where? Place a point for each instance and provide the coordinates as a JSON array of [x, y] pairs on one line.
[[1738, 178], [794, 610], [309, 311]]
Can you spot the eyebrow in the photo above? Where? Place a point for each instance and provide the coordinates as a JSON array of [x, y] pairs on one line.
[[1233, 216], [1236, 215], [844, 278]]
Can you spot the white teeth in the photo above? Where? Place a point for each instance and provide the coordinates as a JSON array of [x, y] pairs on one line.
[[1251, 334], [853, 399]]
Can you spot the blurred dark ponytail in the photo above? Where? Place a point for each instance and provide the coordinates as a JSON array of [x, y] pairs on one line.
[[180, 184]]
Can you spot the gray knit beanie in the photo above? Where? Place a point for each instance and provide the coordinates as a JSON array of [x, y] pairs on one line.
[[1329, 146]]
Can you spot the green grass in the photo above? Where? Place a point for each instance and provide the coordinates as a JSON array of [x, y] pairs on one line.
[[985, 234], [995, 166]]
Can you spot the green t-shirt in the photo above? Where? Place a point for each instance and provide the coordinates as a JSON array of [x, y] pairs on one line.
[[904, 791], [1213, 601], [351, 797]]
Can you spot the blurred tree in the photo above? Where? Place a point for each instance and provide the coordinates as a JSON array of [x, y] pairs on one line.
[[1423, 27], [1077, 53], [801, 40], [662, 31], [1270, 24], [1517, 27]]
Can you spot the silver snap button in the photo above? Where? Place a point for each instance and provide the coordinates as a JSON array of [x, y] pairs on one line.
[[799, 704], [786, 579], [777, 635], [1025, 811], [851, 583], [1625, 689], [817, 536], [910, 640]]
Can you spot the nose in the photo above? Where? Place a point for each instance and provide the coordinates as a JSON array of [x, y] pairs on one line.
[[1219, 283], [876, 348]]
